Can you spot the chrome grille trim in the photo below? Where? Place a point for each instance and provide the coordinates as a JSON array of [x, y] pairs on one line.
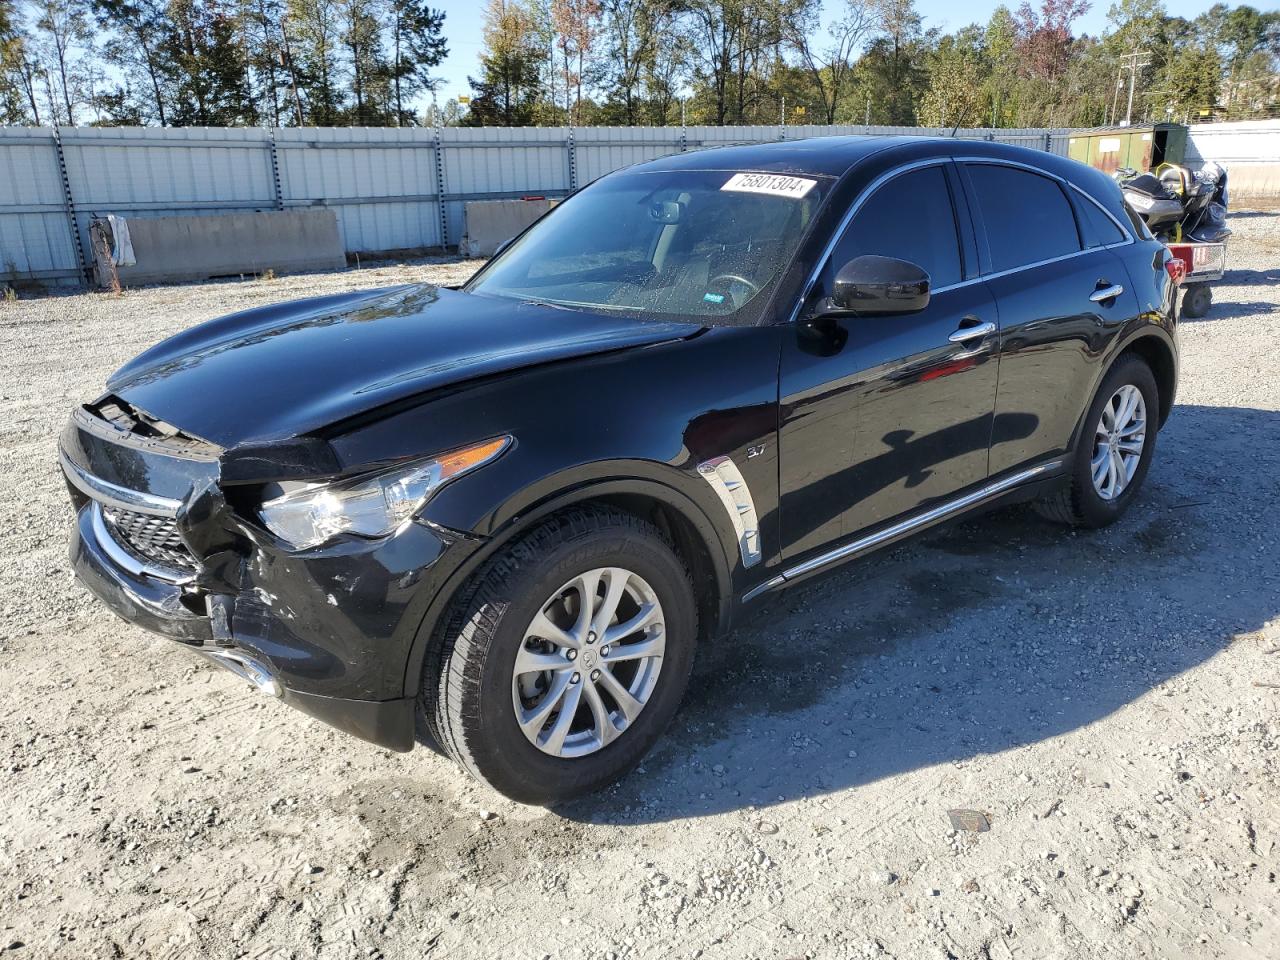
[[125, 559], [119, 497]]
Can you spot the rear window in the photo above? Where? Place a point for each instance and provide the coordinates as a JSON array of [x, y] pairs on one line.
[[1027, 216]]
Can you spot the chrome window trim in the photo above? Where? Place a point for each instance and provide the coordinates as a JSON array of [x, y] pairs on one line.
[[1128, 235], [854, 207], [116, 496], [903, 527], [888, 175], [124, 559]]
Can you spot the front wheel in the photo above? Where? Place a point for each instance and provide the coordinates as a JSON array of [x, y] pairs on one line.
[[1114, 451], [564, 659]]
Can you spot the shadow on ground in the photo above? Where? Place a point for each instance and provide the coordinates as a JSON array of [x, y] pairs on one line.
[[1001, 631], [1242, 308]]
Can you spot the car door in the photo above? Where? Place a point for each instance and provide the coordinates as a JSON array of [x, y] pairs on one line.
[[880, 415], [1060, 301]]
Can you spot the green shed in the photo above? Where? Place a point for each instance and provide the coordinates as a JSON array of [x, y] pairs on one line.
[[1142, 148]]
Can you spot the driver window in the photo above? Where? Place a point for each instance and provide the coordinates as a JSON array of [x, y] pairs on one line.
[[911, 218]]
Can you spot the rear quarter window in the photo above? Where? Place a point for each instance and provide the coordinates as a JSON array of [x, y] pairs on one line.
[[1099, 229], [1027, 217]]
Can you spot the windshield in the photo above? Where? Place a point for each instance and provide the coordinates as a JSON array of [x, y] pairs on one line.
[[669, 245]]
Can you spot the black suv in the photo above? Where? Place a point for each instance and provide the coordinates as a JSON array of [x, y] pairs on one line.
[[500, 518]]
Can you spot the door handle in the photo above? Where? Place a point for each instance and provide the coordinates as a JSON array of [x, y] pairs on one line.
[[1106, 293], [965, 334]]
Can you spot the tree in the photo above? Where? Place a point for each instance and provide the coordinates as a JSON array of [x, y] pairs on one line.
[[140, 45], [212, 84], [891, 74], [311, 37], [65, 36], [575, 23], [957, 81], [1000, 40], [633, 30], [1045, 38], [15, 107], [417, 47], [829, 64], [370, 72], [509, 86]]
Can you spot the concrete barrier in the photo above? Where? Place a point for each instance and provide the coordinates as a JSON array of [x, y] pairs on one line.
[[168, 249], [491, 223]]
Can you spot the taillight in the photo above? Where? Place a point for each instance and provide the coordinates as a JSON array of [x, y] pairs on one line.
[[1176, 269]]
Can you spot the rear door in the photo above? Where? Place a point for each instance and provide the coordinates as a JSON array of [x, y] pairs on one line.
[[1062, 296], [883, 414]]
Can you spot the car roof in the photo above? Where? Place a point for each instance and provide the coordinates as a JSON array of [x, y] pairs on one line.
[[837, 156]]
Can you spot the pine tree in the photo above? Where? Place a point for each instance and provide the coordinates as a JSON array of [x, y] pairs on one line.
[[417, 47]]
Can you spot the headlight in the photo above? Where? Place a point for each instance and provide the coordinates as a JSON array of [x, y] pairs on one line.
[[372, 506]]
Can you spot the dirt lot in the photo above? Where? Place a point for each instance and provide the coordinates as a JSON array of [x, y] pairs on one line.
[[1110, 701]]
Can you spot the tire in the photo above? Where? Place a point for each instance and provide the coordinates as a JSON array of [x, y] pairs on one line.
[[1197, 298], [471, 698], [1080, 503]]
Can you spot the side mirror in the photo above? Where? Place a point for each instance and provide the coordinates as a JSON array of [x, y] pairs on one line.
[[875, 286]]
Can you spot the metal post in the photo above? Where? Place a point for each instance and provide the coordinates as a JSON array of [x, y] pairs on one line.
[[275, 171], [438, 144], [70, 203], [572, 152]]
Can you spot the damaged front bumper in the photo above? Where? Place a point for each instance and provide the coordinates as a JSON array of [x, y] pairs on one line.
[[328, 631]]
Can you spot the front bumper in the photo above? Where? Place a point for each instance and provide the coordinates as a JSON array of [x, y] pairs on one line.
[[328, 631]]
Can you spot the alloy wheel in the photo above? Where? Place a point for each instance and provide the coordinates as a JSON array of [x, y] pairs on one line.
[[1118, 441], [589, 662]]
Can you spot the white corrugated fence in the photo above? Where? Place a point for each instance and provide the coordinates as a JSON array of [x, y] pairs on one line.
[[391, 189]]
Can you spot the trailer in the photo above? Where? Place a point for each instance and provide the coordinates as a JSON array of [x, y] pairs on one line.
[[1202, 264]]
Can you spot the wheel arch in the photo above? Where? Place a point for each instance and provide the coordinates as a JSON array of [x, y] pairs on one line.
[[1159, 356], [681, 519]]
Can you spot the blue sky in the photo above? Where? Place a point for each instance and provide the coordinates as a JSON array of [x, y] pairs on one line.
[[464, 21]]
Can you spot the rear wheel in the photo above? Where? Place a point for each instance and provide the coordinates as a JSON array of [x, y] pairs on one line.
[[564, 659], [1114, 451]]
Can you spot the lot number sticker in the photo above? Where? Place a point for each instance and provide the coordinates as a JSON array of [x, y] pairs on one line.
[[769, 183]]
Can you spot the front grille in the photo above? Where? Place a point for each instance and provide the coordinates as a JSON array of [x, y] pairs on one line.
[[151, 539]]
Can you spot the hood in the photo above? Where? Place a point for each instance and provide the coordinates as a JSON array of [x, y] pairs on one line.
[[279, 371]]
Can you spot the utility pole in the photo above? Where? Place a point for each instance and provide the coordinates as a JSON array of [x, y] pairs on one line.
[[1134, 62]]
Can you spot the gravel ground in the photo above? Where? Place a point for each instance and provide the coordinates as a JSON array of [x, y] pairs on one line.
[[1109, 702]]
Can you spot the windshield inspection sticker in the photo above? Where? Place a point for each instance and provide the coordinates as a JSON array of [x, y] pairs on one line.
[[770, 183]]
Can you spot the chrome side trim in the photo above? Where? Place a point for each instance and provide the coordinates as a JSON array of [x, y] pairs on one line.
[[904, 527], [727, 481], [125, 560], [115, 496], [247, 668]]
